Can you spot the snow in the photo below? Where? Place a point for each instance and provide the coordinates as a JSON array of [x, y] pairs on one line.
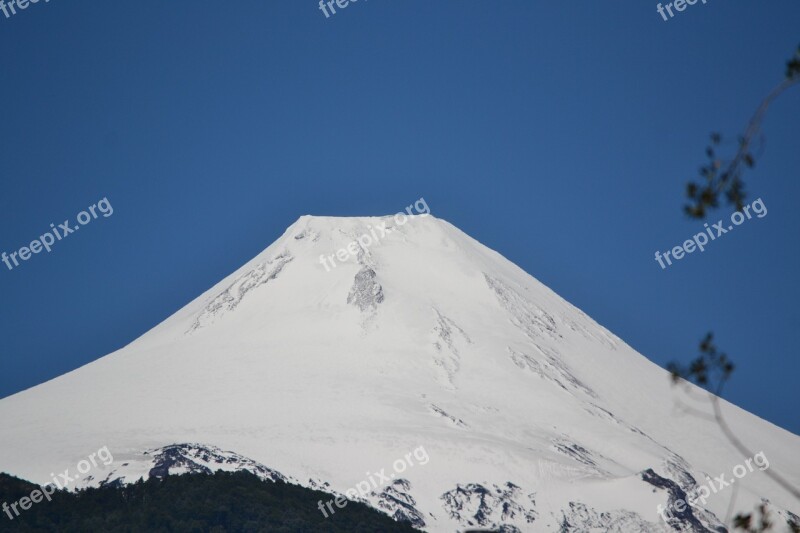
[[424, 338]]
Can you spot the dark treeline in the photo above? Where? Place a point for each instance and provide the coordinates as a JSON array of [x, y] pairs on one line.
[[222, 502]]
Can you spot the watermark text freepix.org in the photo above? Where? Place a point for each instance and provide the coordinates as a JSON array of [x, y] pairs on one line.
[[368, 239], [56, 234], [699, 241], [363, 487], [13, 5], [702, 492], [679, 5], [330, 3], [60, 481]]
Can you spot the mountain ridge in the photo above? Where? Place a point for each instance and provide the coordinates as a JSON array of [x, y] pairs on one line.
[[426, 337]]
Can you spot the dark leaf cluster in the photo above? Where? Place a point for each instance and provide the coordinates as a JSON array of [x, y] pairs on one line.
[[710, 367], [721, 177]]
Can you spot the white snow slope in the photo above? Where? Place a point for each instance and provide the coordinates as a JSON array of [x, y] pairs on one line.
[[532, 416]]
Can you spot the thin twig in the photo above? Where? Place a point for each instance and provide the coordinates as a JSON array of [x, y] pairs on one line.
[[743, 449]]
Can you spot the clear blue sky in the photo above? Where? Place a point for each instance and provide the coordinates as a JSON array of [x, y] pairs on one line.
[[558, 133]]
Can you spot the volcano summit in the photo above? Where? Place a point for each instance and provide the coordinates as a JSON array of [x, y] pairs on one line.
[[533, 417]]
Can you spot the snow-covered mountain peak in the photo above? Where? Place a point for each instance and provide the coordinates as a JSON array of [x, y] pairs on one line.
[[350, 346]]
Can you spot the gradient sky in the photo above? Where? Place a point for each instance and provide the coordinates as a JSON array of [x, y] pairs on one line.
[[560, 134]]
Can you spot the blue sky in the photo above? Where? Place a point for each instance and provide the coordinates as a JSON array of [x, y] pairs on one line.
[[559, 133]]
